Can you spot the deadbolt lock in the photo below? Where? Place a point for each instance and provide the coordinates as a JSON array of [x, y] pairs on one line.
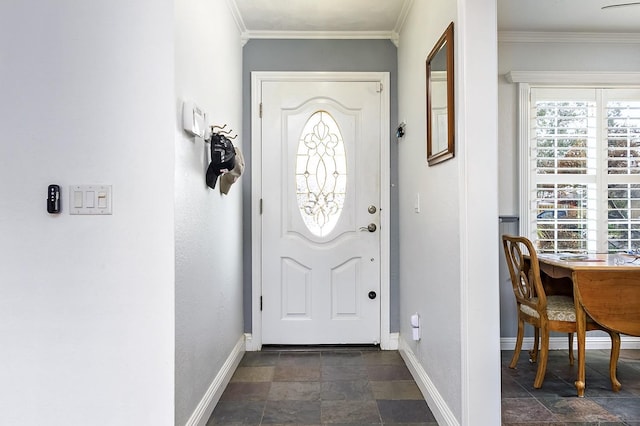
[[372, 209]]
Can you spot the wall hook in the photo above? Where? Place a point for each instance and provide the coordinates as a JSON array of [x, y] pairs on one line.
[[221, 130]]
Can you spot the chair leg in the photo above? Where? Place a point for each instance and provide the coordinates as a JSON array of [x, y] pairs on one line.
[[570, 348], [542, 361], [613, 360], [533, 353], [518, 348]]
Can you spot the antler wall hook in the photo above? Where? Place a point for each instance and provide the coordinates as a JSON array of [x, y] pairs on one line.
[[221, 130]]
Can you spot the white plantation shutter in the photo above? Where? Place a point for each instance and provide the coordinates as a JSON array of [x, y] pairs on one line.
[[622, 129], [584, 176]]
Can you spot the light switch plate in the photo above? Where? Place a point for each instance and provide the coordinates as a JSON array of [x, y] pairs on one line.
[[90, 199], [193, 119]]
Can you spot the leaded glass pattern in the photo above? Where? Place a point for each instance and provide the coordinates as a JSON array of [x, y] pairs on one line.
[[321, 173]]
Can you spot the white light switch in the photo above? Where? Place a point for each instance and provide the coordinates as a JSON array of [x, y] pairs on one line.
[[77, 199], [102, 200], [90, 199]]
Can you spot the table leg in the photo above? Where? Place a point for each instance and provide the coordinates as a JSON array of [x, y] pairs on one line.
[[613, 361], [581, 331]]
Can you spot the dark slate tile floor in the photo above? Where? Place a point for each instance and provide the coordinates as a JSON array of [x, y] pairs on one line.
[[358, 386], [322, 386], [556, 402]]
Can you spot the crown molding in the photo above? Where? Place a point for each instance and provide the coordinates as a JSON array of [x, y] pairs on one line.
[[378, 35], [402, 18], [574, 77], [566, 37], [393, 35], [237, 17]]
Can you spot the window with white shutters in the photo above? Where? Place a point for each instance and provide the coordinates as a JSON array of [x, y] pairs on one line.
[[584, 172]]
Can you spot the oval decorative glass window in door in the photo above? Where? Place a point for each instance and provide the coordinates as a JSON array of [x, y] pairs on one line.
[[321, 173]]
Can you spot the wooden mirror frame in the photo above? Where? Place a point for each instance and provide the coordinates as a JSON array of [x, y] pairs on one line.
[[440, 150]]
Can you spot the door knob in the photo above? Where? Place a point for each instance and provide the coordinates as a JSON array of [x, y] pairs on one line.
[[370, 227], [372, 295]]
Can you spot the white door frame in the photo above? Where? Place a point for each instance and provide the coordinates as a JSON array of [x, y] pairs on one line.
[[254, 340]]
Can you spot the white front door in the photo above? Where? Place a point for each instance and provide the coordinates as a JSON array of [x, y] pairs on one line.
[[320, 186]]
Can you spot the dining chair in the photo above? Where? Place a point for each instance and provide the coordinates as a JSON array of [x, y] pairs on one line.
[[546, 313]]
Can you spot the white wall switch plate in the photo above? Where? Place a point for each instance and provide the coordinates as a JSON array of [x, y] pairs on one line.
[[193, 119], [90, 199]]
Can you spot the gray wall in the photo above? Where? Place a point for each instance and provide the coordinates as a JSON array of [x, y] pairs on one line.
[[320, 55]]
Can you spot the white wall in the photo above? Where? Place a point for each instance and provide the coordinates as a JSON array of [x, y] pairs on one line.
[[86, 302], [448, 253], [208, 224]]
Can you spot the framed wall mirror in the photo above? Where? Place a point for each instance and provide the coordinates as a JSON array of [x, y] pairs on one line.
[[440, 100]]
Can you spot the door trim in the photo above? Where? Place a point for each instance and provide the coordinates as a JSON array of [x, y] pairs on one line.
[[257, 78]]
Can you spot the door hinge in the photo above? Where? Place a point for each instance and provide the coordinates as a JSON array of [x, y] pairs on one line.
[[261, 303], [260, 206], [260, 109], [380, 87]]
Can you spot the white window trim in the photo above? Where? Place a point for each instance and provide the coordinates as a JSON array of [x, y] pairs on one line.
[[524, 81]]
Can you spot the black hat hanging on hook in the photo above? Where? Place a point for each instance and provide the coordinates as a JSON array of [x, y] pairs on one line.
[[223, 158]]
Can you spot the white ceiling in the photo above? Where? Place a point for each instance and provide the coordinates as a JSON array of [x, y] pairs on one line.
[[320, 15], [568, 16], [385, 17]]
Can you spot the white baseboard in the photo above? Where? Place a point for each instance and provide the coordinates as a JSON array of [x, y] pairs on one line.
[[204, 409], [394, 339], [436, 403], [561, 343], [250, 344]]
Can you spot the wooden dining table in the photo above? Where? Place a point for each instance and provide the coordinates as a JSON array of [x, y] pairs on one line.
[[606, 287]]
